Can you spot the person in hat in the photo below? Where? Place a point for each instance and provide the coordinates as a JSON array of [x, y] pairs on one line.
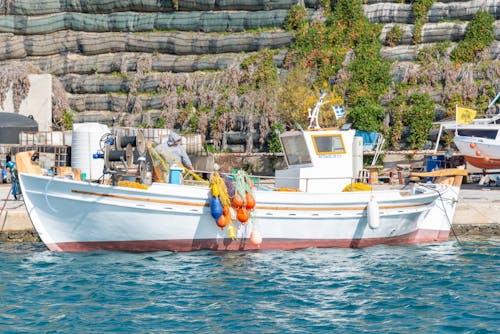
[[174, 147]]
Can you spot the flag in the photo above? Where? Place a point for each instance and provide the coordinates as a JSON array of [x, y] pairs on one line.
[[465, 116], [339, 111]]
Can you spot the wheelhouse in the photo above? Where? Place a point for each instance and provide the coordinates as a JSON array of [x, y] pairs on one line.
[[318, 160]]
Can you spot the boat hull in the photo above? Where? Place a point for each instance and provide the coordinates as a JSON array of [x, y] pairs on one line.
[[80, 216], [479, 152], [226, 244]]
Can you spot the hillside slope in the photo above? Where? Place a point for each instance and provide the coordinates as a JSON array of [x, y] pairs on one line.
[[163, 62]]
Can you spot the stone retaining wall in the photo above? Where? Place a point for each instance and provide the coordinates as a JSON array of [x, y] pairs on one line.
[[93, 46]]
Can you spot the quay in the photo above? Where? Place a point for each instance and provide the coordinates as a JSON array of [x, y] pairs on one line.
[[478, 213]]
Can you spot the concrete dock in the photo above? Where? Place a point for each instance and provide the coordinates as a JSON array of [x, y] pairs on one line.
[[478, 213]]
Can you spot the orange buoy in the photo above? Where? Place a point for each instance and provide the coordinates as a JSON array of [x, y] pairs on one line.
[[225, 210], [243, 215], [222, 221], [250, 201], [237, 201], [486, 159], [478, 153], [472, 145]]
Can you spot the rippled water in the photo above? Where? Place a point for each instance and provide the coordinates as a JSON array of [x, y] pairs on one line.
[[440, 288]]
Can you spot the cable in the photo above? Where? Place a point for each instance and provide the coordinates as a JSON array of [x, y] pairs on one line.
[[445, 212]]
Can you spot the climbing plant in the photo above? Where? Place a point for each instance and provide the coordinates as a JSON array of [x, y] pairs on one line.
[[420, 8], [14, 78], [274, 144], [394, 35], [478, 36], [61, 109], [415, 111], [344, 50], [367, 117]]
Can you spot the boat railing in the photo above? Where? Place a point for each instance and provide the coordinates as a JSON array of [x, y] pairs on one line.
[[268, 183], [452, 176]]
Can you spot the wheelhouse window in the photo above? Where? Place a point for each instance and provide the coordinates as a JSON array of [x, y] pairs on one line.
[[480, 133], [328, 144], [295, 148]]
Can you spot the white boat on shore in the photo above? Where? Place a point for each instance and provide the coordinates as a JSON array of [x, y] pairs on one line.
[[477, 139], [479, 142]]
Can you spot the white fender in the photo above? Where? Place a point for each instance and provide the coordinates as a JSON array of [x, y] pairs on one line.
[[373, 214]]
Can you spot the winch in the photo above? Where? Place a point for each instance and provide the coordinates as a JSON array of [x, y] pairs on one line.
[[124, 156]]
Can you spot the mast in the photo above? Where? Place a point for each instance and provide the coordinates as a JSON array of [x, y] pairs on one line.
[[314, 116]]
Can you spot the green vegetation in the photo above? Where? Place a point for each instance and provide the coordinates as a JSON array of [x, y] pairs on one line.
[[478, 36], [274, 144], [322, 48], [415, 111], [67, 119], [435, 53], [394, 35], [420, 8], [367, 117]]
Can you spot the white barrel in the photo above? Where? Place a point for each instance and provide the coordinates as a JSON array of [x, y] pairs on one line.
[[84, 143], [192, 143]]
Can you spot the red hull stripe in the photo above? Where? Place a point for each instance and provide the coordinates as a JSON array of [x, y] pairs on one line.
[[419, 236], [262, 207], [481, 163]]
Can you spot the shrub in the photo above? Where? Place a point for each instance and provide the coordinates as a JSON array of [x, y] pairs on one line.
[[478, 36], [394, 36], [419, 117], [367, 117]]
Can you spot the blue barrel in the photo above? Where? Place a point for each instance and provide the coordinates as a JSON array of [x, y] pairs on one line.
[[433, 162], [175, 175]]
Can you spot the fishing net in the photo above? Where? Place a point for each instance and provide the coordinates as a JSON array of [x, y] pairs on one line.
[[358, 186], [219, 189], [243, 184], [160, 166]]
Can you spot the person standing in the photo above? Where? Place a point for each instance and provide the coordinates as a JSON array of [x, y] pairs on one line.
[[175, 149], [4, 174]]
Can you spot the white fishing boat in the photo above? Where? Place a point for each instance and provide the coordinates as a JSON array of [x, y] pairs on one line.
[[307, 209], [478, 140]]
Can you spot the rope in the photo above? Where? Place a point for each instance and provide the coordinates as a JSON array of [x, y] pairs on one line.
[[46, 193], [445, 212]]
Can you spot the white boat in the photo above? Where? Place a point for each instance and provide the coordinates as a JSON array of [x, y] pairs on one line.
[[478, 141], [74, 215], [313, 211]]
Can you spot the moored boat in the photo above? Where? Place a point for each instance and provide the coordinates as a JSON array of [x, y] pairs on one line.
[[308, 207], [74, 215]]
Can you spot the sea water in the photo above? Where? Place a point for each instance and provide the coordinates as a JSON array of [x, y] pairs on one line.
[[450, 287]]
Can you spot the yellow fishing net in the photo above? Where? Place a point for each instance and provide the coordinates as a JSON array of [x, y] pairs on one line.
[[358, 186]]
